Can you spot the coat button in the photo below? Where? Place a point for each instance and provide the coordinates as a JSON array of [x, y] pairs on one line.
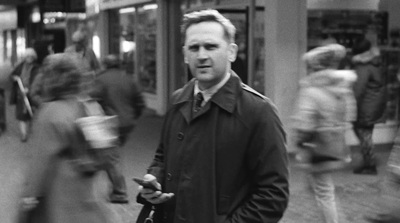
[[169, 176], [180, 136]]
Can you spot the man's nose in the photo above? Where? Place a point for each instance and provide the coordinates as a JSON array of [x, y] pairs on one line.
[[202, 54]]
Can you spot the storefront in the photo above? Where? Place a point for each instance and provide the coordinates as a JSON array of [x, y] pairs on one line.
[[272, 36], [146, 35], [130, 29]]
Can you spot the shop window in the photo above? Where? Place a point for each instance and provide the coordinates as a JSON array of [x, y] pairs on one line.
[[146, 47], [391, 71], [345, 26], [259, 53], [127, 43], [135, 42], [239, 20]]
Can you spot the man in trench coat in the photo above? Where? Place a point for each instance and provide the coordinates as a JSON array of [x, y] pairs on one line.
[[222, 157]]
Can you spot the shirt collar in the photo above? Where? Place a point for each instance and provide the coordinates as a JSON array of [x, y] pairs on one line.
[[208, 93]]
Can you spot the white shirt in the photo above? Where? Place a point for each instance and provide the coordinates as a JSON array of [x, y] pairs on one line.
[[208, 93]]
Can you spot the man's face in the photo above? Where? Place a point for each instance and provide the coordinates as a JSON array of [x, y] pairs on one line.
[[79, 45], [208, 53], [30, 59]]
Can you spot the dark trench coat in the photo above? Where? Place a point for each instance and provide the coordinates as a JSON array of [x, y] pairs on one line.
[[227, 164]]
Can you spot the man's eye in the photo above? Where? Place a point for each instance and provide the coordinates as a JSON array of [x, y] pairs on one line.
[[194, 48], [211, 46]]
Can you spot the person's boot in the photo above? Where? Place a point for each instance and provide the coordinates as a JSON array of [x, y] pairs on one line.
[[368, 170], [368, 165]]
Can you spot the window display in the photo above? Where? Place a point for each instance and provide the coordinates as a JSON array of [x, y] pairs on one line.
[[391, 65], [127, 39], [239, 20], [146, 47], [136, 37], [344, 26]]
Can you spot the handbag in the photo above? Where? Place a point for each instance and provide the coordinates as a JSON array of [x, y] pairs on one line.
[[101, 133], [100, 130]]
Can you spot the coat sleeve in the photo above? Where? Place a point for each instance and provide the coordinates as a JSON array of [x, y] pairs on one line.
[[268, 167]]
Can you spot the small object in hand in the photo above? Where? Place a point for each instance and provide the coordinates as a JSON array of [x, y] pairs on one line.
[[147, 184]]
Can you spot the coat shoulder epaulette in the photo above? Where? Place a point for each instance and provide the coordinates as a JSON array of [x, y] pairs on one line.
[[251, 90]]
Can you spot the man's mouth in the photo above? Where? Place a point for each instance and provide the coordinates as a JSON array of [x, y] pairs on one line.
[[200, 67]]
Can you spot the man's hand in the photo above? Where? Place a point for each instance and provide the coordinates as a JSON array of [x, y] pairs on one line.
[[154, 197]]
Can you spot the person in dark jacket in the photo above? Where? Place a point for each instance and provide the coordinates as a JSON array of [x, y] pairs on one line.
[[370, 96], [84, 52], [119, 95], [222, 154], [25, 72]]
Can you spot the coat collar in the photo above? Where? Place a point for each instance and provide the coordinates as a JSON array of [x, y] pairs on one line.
[[225, 97]]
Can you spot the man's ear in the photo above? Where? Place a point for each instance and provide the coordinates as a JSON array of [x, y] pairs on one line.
[[185, 59], [232, 52]]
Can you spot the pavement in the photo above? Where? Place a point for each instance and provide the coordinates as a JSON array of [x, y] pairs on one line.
[[356, 195]]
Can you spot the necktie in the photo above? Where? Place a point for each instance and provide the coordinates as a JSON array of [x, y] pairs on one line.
[[197, 102]]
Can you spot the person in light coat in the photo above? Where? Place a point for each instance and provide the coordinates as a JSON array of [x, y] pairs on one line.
[[325, 108]]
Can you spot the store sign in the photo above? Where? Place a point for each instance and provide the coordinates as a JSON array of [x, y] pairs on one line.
[[110, 4], [343, 4]]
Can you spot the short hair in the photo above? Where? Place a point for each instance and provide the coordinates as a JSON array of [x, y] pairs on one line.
[[62, 75], [208, 15], [30, 52]]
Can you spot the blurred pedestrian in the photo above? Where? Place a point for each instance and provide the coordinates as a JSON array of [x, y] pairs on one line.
[[369, 91], [60, 175], [84, 52], [119, 95], [222, 154], [36, 93], [22, 77], [325, 109]]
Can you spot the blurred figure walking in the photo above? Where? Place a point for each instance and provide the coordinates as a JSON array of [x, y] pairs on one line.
[[22, 77], [370, 95], [325, 108], [82, 50], [119, 95], [61, 172]]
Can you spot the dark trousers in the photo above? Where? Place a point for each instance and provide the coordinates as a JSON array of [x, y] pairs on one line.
[[364, 135]]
